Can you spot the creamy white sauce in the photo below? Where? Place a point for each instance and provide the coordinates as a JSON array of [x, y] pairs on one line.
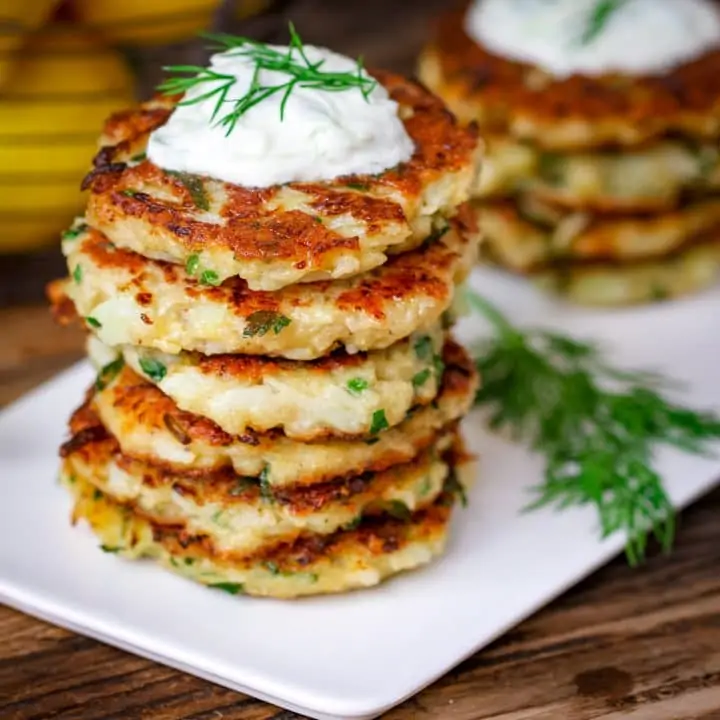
[[640, 37], [323, 134]]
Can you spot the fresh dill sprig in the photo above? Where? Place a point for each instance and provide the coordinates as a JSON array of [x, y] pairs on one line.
[[294, 63], [601, 13], [597, 427]]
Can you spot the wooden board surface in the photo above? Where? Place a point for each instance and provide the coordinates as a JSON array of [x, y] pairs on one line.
[[642, 644]]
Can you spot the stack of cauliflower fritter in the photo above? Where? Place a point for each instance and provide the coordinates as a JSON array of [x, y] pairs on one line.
[[278, 395], [604, 189]]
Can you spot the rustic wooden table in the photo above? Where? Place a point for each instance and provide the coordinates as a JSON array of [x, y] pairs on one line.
[[642, 644]]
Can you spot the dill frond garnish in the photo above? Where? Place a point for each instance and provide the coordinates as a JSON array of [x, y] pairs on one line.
[[601, 13], [597, 427], [293, 63]]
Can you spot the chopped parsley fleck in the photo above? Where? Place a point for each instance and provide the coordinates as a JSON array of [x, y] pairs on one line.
[[439, 365], [97, 494], [425, 486], [436, 234], [108, 373], [317, 219], [659, 293], [129, 193], [78, 274], [110, 549], [216, 517], [358, 186], [379, 422], [192, 265], [92, 322], [353, 524], [419, 379], [424, 347], [260, 323], [194, 185], [356, 385], [74, 232], [210, 277], [189, 560], [399, 510], [456, 488], [241, 486], [272, 567], [154, 369], [139, 157], [265, 487], [228, 587]]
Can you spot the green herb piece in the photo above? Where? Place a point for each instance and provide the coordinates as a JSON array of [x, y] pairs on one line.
[[436, 234], [260, 323], [228, 587], [438, 366], [265, 486], [129, 193], [74, 232], [194, 185], [97, 494], [353, 524], [241, 486], [192, 265], [551, 168], [424, 347], [210, 277], [379, 422], [362, 187], [139, 157], [425, 486], [154, 369], [93, 322], [399, 510], [372, 441], [419, 379], [659, 293], [293, 63], [357, 385], [317, 219], [110, 549], [189, 561], [597, 427], [272, 567], [456, 488], [599, 17], [108, 373], [78, 274]]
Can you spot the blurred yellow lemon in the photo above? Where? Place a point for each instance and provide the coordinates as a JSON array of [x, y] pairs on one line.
[[17, 19], [52, 106], [150, 22]]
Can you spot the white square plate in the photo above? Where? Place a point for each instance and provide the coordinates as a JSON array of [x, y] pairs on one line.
[[357, 655]]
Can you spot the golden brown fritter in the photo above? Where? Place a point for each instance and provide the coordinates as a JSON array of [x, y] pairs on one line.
[[688, 270], [376, 549], [150, 427], [574, 113], [127, 299], [336, 394], [244, 515], [298, 232], [529, 234], [651, 178]]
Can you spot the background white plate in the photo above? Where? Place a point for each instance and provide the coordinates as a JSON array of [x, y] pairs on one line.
[[357, 655]]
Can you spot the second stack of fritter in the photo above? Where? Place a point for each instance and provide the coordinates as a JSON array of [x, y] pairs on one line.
[[605, 187], [278, 396]]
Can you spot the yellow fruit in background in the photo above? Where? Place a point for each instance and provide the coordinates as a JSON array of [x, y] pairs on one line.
[[52, 106], [17, 19], [151, 22]]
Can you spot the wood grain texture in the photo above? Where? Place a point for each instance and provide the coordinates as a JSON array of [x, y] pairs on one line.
[[640, 644]]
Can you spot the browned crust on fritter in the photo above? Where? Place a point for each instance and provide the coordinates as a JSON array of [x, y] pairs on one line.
[[148, 405], [95, 447], [252, 230], [421, 272], [618, 109]]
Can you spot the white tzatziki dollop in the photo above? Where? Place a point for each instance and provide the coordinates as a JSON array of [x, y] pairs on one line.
[[323, 134], [637, 37]]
